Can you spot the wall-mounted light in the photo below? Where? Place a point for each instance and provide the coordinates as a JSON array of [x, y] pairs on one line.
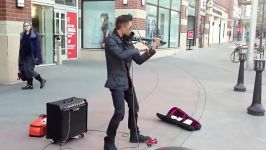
[[142, 2], [20, 3], [125, 2]]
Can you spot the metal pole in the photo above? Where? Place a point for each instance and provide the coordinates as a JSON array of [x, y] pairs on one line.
[[256, 108], [253, 22], [261, 27], [59, 50], [209, 30], [240, 87]]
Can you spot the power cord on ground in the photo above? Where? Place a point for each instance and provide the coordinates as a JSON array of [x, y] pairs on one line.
[[133, 99], [66, 138]]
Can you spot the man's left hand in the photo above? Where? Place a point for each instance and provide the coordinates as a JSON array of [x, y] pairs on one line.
[[156, 43]]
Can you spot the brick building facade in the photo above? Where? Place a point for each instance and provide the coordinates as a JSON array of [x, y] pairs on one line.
[[151, 18], [11, 18], [50, 18], [10, 12], [88, 21]]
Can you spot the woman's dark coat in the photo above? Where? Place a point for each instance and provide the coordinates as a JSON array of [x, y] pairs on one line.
[[35, 47]]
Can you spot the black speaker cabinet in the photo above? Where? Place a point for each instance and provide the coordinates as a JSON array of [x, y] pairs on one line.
[[66, 118]]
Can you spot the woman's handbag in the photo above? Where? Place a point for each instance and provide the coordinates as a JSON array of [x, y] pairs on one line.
[[21, 73]]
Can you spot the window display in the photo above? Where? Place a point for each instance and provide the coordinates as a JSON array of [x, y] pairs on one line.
[[66, 2], [163, 20], [151, 24], [98, 22], [174, 29]]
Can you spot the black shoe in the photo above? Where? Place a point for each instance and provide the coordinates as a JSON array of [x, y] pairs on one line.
[[41, 80], [109, 143], [42, 83], [138, 138], [27, 87]]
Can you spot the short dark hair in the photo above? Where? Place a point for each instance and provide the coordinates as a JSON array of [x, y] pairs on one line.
[[121, 20]]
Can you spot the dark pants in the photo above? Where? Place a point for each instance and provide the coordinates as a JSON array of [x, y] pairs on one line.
[[119, 98], [28, 67]]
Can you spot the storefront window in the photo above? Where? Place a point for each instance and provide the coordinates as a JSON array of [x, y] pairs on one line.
[[57, 25], [192, 3], [176, 4], [63, 27], [98, 22], [42, 21], [71, 2], [191, 27], [174, 29], [60, 1], [63, 32], [165, 23], [151, 24], [191, 19], [155, 2], [191, 7], [66, 2], [164, 3]]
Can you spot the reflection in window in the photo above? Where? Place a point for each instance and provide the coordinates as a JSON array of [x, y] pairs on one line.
[[63, 16], [63, 44], [60, 1], [57, 26], [191, 27], [155, 2], [164, 3], [164, 25], [192, 3], [151, 24], [66, 2], [98, 22], [164, 22], [63, 28], [176, 4], [71, 2], [174, 29]]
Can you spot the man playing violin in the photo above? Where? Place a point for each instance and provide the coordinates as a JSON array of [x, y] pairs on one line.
[[119, 54]]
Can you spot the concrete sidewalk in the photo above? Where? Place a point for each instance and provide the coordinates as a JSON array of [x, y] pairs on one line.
[[200, 82]]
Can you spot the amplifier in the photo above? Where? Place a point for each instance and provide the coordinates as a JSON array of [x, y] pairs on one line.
[[66, 118]]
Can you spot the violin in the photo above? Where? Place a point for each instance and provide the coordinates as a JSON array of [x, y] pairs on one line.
[[144, 40]]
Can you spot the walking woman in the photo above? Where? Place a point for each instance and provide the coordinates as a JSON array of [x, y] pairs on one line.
[[30, 55]]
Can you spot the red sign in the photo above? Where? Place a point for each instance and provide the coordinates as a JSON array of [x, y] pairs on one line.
[[190, 35], [71, 35]]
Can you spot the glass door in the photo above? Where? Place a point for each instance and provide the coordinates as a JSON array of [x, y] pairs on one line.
[[60, 30], [42, 21]]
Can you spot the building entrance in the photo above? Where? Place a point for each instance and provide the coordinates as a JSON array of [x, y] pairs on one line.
[[42, 21], [60, 30]]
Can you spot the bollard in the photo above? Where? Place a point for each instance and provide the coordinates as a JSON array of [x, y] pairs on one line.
[[58, 50], [240, 87], [256, 108]]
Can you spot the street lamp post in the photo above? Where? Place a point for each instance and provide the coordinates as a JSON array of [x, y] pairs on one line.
[[253, 21], [262, 22]]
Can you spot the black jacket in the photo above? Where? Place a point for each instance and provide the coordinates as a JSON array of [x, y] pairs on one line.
[[119, 54], [35, 47]]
